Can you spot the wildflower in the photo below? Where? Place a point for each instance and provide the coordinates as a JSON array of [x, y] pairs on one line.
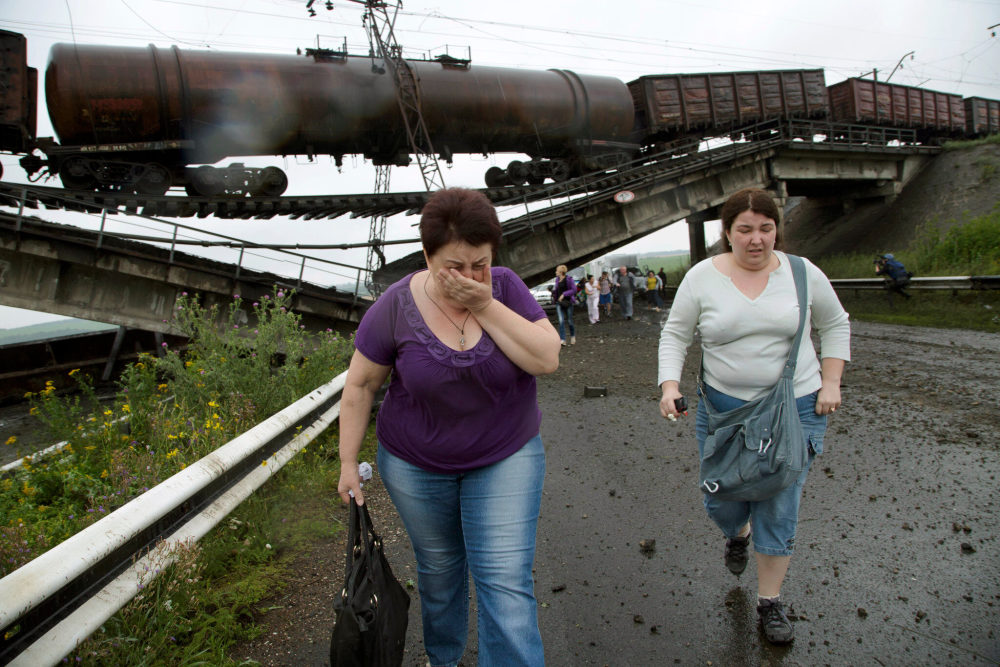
[[163, 344], [188, 364], [236, 296], [280, 294], [74, 372], [263, 463], [28, 394], [236, 326], [213, 404], [126, 408], [104, 474], [107, 413], [161, 387], [11, 440], [172, 453], [184, 293], [256, 303], [33, 411]]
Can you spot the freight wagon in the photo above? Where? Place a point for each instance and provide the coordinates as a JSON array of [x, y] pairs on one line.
[[933, 114], [672, 106], [982, 116]]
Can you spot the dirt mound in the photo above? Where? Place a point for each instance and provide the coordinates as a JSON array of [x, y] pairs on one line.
[[956, 185]]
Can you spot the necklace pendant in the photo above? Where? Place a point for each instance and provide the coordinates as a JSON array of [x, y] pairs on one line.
[[461, 342]]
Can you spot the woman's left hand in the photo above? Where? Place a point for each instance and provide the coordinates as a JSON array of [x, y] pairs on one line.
[[472, 294], [828, 399]]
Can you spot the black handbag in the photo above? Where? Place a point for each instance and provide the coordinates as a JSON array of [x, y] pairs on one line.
[[373, 607], [758, 449]]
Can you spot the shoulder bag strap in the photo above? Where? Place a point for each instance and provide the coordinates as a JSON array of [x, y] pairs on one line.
[[802, 290]]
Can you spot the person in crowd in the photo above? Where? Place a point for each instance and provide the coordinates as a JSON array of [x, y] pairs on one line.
[[653, 284], [593, 294], [459, 449], [744, 304], [604, 287], [625, 284], [896, 275], [663, 284], [564, 296]]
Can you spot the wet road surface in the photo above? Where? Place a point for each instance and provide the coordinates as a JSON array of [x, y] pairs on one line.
[[896, 563]]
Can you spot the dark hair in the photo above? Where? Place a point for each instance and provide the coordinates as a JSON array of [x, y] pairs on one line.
[[459, 214], [750, 199]]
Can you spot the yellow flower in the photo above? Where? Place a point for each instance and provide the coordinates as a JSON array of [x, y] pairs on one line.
[[74, 372], [188, 364], [140, 365], [171, 436], [126, 408], [161, 387], [28, 394], [107, 413], [90, 447], [264, 462], [33, 411], [11, 440], [213, 404], [104, 474], [172, 453]]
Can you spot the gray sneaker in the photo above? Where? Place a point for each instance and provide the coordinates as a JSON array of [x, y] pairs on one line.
[[774, 623]]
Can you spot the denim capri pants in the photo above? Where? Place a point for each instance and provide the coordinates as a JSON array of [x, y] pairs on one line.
[[774, 520]]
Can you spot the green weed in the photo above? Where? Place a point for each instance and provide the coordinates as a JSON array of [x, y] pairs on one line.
[[168, 413]]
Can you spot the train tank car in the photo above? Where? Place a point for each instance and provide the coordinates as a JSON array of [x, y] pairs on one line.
[[982, 116], [678, 106], [166, 108], [933, 114]]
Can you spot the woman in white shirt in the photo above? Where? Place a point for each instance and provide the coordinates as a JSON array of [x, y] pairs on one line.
[[593, 294], [743, 303]]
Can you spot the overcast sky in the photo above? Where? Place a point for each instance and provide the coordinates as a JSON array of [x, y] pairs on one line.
[[953, 50]]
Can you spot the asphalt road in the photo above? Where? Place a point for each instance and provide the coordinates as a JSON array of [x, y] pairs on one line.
[[897, 560]]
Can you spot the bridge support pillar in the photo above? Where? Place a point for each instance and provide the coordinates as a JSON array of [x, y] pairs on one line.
[[696, 232]]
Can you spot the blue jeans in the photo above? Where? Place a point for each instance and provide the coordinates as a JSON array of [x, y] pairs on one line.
[[626, 303], [565, 310], [776, 519], [482, 520]]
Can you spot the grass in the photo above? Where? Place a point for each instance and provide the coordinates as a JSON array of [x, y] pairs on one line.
[[970, 143], [168, 413]]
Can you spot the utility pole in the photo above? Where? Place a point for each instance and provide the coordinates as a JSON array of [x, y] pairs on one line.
[[899, 65]]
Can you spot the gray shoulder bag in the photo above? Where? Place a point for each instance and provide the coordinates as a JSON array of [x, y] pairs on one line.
[[754, 451]]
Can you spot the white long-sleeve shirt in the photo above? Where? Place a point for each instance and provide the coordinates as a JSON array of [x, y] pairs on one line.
[[745, 341]]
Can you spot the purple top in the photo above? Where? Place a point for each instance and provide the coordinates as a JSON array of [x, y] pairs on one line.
[[565, 286], [448, 410]]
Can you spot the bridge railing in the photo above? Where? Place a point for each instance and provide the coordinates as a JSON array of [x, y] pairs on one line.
[[953, 283], [61, 597], [173, 236]]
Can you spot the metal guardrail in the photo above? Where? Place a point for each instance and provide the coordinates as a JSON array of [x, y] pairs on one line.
[[63, 596], [954, 283]]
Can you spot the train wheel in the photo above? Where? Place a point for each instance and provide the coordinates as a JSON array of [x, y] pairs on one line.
[[496, 178], [76, 175], [561, 171], [535, 174], [517, 172], [154, 180], [271, 182], [207, 181]]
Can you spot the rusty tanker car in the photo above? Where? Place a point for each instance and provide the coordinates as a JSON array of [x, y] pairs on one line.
[[146, 120]]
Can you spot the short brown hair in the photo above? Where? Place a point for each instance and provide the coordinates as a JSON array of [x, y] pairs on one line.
[[459, 214], [750, 199]]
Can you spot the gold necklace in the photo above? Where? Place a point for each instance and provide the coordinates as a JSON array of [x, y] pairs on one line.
[[461, 329]]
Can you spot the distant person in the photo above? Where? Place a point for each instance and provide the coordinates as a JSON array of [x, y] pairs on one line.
[[744, 305], [604, 287], [564, 296], [459, 449], [662, 275], [896, 275], [625, 283], [593, 294], [653, 284]]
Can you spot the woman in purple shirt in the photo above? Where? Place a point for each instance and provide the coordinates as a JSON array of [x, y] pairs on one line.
[[459, 449]]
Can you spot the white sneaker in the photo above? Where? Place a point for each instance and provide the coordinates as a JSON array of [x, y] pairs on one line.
[[572, 340]]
